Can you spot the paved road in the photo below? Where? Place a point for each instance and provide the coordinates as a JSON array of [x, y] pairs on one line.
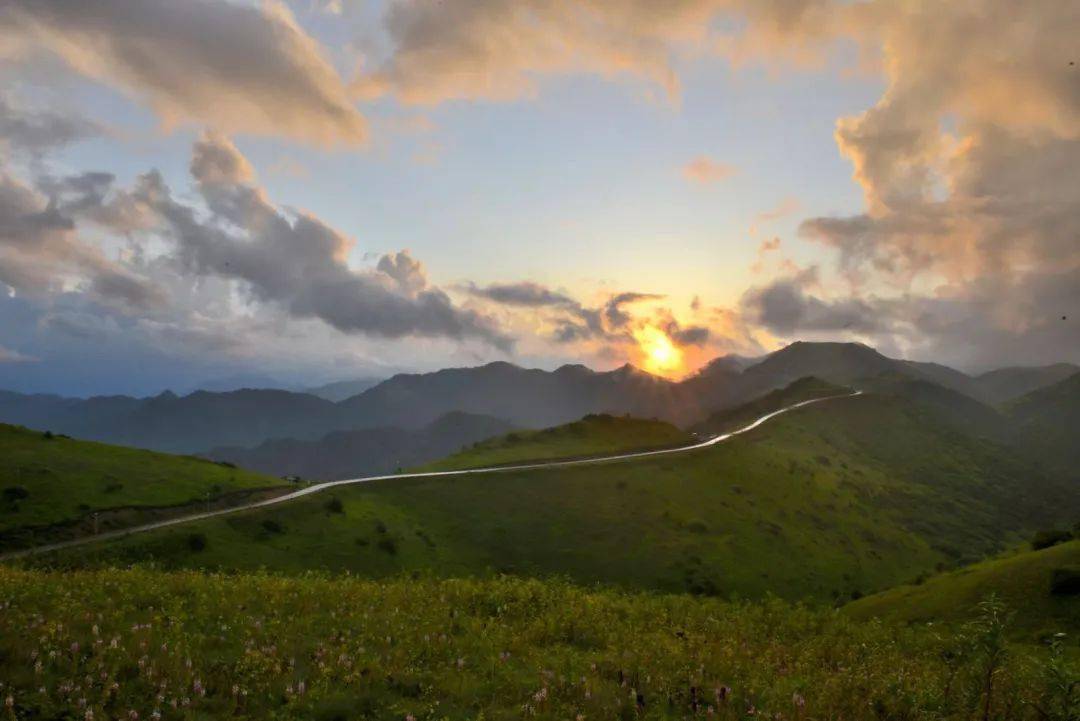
[[320, 487]]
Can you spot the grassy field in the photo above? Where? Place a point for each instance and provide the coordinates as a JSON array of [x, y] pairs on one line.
[[1025, 581], [52, 480], [593, 435], [140, 644], [827, 502]]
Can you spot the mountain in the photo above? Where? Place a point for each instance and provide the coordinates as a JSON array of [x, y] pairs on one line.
[[371, 451], [52, 487], [841, 497], [526, 398], [1005, 384], [1045, 423], [341, 390]]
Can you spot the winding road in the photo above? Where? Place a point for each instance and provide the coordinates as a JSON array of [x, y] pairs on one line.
[[319, 487]]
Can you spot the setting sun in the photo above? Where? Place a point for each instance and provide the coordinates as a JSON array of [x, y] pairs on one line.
[[661, 356]]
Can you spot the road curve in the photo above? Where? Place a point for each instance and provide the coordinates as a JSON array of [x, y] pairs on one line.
[[319, 487]]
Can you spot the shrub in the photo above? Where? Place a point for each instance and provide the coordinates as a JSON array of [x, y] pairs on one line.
[[334, 505], [1065, 581], [47, 435], [272, 526], [196, 542], [15, 493], [387, 544], [114, 487], [1046, 539]]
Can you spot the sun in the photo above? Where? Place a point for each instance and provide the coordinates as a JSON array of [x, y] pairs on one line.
[[660, 355]]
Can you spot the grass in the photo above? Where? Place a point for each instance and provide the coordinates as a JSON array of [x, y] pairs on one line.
[[50, 480], [827, 502], [142, 644], [593, 435], [1023, 581], [801, 390]]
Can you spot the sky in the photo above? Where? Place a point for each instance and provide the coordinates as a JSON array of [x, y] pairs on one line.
[[216, 192]]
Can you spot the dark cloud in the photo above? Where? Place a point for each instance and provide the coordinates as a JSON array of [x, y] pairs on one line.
[[525, 294], [786, 308], [297, 261], [37, 131], [40, 250], [240, 67]]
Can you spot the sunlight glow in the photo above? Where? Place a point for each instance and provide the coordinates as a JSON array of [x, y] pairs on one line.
[[660, 355]]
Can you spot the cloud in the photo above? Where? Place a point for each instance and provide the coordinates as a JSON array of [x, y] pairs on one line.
[[41, 253], [703, 170], [296, 261], [786, 308], [499, 49], [10, 356], [525, 294], [238, 67], [36, 131]]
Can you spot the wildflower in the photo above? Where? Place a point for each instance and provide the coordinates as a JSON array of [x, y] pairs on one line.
[[133, 715], [301, 688], [156, 716], [94, 629], [75, 647], [89, 715], [798, 700], [409, 717], [9, 701], [461, 662]]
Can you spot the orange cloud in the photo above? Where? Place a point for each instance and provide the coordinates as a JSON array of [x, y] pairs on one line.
[[704, 170]]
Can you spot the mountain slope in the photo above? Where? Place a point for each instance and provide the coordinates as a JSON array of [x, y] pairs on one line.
[[1045, 424], [593, 435], [52, 485], [1025, 582], [340, 390], [1006, 384], [371, 451], [847, 495]]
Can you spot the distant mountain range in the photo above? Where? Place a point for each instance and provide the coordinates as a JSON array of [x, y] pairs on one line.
[[526, 398]]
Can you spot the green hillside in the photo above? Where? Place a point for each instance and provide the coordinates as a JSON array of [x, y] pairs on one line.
[[801, 390], [52, 485], [1046, 421], [842, 497], [1042, 586], [198, 646], [593, 435]]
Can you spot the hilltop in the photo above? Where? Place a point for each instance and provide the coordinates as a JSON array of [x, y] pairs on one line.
[[593, 435], [53, 486]]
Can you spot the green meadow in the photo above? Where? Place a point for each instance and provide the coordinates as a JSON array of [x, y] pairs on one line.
[[51, 485], [142, 644]]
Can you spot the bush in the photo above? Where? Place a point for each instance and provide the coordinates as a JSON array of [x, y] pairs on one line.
[[272, 526], [1065, 581], [114, 487], [196, 542], [1046, 539], [334, 505], [387, 544], [15, 493]]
